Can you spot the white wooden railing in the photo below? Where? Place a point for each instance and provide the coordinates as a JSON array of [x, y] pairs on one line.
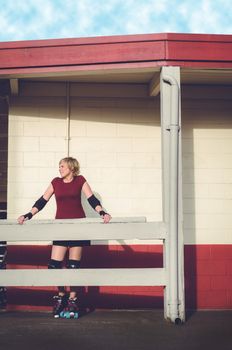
[[83, 229]]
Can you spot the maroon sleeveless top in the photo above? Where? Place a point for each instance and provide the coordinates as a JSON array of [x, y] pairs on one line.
[[68, 197]]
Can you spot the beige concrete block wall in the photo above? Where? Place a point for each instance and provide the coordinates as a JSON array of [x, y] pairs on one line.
[[115, 134], [116, 158], [36, 141], [207, 164]]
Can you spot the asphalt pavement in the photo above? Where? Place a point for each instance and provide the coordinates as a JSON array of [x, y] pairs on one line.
[[116, 329]]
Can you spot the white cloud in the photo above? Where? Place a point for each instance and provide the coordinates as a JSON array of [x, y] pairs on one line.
[[213, 17], [40, 19]]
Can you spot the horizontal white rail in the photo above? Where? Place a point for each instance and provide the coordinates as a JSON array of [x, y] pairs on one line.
[[82, 229], [84, 277]]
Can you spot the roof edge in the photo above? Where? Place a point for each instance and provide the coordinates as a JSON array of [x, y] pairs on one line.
[[116, 39]]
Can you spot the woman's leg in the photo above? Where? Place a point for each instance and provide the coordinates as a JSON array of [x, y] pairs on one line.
[[57, 256], [75, 254], [58, 252]]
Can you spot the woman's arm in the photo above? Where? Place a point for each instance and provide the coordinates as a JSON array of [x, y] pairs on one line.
[[95, 203], [39, 205]]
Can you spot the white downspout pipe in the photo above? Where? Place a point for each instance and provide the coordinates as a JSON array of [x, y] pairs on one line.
[[67, 137], [173, 299]]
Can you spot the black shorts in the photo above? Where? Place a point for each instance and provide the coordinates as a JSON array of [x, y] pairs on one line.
[[72, 243]]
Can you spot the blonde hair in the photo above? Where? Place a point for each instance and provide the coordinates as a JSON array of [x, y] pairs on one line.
[[73, 165]]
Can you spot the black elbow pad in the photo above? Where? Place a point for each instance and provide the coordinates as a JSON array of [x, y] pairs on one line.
[[40, 203], [93, 201]]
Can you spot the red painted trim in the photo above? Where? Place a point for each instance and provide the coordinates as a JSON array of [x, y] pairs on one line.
[[84, 41], [117, 39], [199, 51], [81, 55], [185, 50]]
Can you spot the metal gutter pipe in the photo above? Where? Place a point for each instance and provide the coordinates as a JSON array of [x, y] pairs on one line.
[[67, 137], [174, 128]]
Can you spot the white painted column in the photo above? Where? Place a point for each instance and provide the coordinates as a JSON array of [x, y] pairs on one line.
[[174, 304]]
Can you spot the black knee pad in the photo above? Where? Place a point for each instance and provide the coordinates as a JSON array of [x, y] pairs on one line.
[[54, 264], [73, 264]]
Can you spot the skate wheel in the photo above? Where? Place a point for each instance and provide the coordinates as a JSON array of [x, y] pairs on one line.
[[68, 315]]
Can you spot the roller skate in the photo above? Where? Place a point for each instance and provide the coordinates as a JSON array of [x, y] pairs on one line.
[[60, 302], [3, 300], [71, 311]]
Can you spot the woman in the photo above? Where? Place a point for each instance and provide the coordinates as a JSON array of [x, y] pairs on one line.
[[67, 190]]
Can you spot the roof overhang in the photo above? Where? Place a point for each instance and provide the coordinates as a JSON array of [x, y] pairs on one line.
[[119, 59]]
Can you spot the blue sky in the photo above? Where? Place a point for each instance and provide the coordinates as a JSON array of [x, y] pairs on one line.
[[46, 19]]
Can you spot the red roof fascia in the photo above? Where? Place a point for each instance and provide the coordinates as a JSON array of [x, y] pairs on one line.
[[207, 49], [84, 41], [187, 50]]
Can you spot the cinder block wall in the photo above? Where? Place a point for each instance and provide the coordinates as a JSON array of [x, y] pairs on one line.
[[207, 164], [115, 134], [207, 190]]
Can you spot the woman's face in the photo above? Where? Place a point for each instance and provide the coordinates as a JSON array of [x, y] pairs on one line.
[[64, 170]]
